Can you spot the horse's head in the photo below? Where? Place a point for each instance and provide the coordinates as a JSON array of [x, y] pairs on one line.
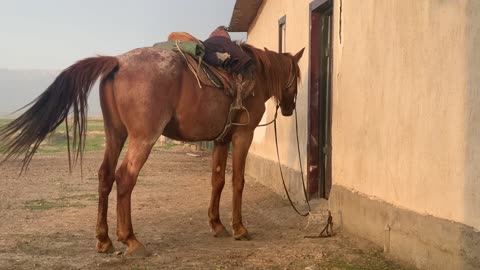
[[277, 74], [289, 91]]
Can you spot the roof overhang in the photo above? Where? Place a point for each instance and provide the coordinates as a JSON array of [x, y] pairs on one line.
[[243, 15]]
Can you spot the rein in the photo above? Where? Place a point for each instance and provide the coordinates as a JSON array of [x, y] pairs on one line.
[[274, 121], [328, 228], [299, 160], [274, 118]]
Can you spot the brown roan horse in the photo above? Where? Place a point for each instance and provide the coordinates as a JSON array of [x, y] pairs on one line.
[[145, 93]]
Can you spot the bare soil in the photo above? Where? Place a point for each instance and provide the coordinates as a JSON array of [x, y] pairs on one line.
[[48, 218]]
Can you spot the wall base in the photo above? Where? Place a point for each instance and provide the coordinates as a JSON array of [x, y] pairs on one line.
[[424, 241], [267, 173]]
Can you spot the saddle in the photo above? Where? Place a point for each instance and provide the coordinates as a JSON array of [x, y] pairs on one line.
[[232, 84], [211, 76], [193, 51]]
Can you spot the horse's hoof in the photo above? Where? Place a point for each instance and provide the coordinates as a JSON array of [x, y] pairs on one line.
[[137, 252], [219, 230], [243, 235], [222, 233], [106, 247]]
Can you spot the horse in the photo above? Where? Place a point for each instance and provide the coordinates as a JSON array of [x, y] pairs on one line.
[[145, 93]]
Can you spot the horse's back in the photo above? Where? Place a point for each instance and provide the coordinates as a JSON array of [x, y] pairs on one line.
[[144, 90], [151, 60], [154, 91]]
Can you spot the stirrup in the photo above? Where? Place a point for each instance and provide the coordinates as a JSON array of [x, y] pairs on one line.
[[242, 108]]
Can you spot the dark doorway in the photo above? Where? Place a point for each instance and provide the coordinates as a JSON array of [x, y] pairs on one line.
[[320, 100]]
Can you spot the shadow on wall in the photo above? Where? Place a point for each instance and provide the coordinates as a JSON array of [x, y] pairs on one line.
[[469, 247]]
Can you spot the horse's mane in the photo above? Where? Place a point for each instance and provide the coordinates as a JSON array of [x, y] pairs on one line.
[[273, 67]]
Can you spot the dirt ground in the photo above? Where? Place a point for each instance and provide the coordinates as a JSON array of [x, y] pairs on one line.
[[48, 221]]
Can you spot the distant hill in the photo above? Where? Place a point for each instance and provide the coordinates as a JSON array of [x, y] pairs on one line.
[[20, 87]]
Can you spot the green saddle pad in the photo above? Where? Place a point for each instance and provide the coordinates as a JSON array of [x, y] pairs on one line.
[[190, 47]]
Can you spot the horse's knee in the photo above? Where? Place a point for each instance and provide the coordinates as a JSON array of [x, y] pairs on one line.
[[218, 182], [238, 183]]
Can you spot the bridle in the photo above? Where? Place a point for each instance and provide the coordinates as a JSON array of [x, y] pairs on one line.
[[290, 82]]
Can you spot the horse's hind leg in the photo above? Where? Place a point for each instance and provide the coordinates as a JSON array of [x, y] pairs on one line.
[[137, 154], [106, 177], [115, 136], [219, 162]]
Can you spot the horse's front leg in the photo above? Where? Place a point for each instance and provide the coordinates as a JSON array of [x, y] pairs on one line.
[[219, 162], [241, 143]]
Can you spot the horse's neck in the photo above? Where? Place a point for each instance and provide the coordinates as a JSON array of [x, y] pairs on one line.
[[263, 91]]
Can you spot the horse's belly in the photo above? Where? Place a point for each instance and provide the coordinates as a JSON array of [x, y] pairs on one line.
[[198, 123]]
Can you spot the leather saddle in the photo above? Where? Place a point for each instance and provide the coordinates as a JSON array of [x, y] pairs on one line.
[[207, 74]]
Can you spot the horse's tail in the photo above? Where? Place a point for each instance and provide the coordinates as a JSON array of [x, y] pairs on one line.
[[70, 89]]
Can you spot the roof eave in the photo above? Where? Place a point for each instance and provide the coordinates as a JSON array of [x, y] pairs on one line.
[[243, 15]]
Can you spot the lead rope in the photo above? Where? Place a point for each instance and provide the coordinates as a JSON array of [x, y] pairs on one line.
[[300, 160], [327, 230], [274, 118], [281, 171]]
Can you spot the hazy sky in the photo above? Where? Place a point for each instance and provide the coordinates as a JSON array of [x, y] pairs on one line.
[[52, 34]]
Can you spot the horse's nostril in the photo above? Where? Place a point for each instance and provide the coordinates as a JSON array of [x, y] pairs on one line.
[[287, 111]]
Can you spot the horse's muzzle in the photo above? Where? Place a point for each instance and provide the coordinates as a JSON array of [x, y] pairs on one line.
[[287, 111]]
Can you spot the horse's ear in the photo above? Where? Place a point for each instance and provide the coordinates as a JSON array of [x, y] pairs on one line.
[[265, 48], [298, 55]]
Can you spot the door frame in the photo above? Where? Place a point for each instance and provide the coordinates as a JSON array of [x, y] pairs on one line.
[[314, 146]]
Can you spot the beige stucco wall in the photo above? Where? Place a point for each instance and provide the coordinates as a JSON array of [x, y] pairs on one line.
[[406, 100], [264, 33], [405, 104]]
